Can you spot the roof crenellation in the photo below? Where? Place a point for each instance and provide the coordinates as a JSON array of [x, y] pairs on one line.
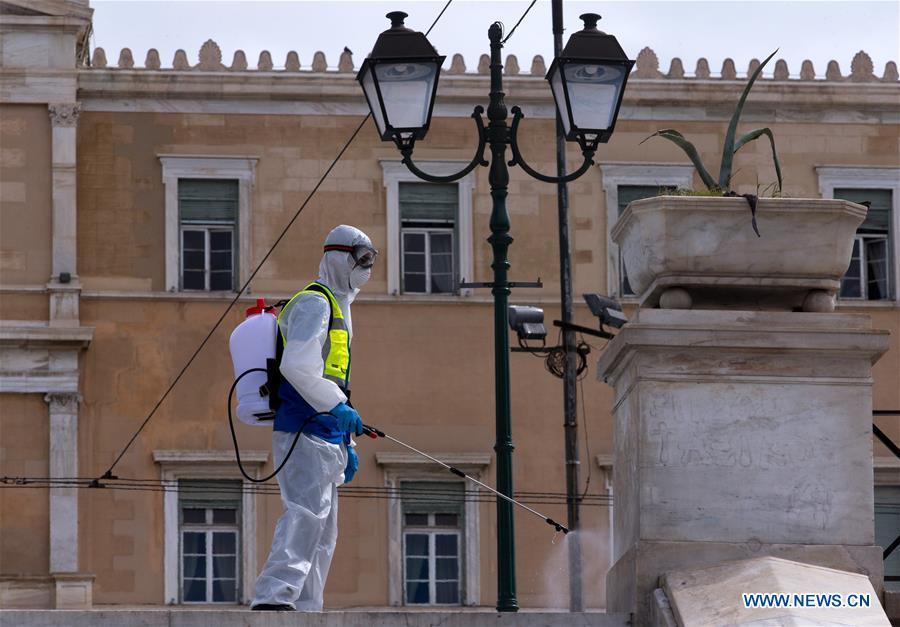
[[209, 59]]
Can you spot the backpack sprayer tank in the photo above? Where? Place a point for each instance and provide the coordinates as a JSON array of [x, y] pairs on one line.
[[252, 343]]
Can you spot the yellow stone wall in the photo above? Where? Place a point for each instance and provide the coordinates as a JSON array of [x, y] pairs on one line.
[[25, 202], [24, 512]]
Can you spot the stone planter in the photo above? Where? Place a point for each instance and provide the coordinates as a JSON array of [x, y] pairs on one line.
[[683, 252]]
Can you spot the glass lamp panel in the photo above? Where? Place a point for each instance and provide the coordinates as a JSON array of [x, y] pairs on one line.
[[593, 93], [407, 88], [559, 95], [368, 84]]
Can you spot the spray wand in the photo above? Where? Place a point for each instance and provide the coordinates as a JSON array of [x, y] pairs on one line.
[[376, 433]]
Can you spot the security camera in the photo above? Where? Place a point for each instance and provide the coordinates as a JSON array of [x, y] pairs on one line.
[[607, 309], [527, 322]]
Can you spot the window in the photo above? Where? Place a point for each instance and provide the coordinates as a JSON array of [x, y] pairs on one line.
[[432, 542], [207, 214], [869, 275], [207, 221], [887, 529], [429, 230], [209, 540], [206, 495], [875, 261], [437, 507], [428, 218], [627, 182]]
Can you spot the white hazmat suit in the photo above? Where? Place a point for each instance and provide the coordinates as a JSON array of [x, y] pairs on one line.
[[306, 533]]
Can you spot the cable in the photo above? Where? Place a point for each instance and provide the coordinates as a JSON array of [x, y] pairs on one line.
[[534, 351], [428, 32], [519, 22], [160, 485], [556, 360], [237, 450], [469, 496]]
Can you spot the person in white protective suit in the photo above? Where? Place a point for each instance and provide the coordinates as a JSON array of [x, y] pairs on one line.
[[316, 329]]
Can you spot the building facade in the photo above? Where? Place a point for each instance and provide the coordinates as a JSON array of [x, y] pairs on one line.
[[136, 200]]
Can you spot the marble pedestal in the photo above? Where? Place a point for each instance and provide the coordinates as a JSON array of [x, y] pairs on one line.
[[740, 434]]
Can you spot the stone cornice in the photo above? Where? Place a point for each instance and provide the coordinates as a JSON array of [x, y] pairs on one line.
[[844, 335], [392, 459], [184, 456], [47, 9], [54, 337], [338, 93], [55, 23]]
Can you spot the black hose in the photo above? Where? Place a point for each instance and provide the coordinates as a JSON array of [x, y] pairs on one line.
[[237, 451]]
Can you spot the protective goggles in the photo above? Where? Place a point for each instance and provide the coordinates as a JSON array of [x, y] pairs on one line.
[[363, 255]]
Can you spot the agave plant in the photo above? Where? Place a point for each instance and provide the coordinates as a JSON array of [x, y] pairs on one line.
[[731, 145]]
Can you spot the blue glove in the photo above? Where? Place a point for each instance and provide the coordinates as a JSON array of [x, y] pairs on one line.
[[352, 464], [347, 419]]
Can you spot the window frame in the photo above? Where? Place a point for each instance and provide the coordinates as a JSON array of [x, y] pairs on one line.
[[614, 175], [432, 531], [208, 528], [862, 239], [208, 464], [206, 228], [863, 178], [240, 168], [394, 173], [427, 232]]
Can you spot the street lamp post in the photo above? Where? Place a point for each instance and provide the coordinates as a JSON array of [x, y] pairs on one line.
[[399, 80]]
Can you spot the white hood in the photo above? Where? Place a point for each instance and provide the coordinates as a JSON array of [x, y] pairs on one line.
[[336, 265]]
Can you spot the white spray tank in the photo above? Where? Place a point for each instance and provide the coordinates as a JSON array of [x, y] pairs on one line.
[[252, 343]]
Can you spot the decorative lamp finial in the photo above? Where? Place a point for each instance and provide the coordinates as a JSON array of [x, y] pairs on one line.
[[590, 21], [396, 18]]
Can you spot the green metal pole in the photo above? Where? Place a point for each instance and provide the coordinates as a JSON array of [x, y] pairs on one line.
[[498, 177]]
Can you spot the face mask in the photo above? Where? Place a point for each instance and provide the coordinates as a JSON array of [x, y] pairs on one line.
[[359, 276]]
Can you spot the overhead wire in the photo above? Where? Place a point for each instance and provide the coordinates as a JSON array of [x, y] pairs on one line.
[[510, 34], [253, 274], [428, 32], [369, 492]]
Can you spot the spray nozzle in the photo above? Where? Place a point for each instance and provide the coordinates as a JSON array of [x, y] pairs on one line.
[[373, 432], [556, 525]]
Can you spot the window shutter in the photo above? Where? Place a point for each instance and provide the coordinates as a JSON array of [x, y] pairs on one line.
[[878, 220], [440, 497], [428, 202], [208, 200], [630, 193], [209, 493]]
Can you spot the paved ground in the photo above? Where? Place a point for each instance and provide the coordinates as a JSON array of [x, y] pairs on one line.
[[357, 618]]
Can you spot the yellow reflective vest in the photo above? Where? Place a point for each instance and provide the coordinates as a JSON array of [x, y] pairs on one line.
[[336, 350]]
